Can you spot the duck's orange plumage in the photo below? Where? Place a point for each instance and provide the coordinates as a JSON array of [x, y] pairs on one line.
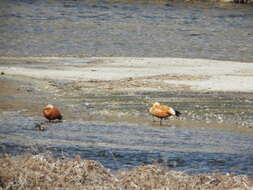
[[52, 113], [162, 111]]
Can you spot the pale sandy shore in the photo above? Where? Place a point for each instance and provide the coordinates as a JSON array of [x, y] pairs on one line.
[[195, 74]]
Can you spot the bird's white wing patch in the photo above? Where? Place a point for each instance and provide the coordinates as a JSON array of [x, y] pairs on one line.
[[172, 111]]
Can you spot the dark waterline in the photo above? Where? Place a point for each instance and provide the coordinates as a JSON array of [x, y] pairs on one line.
[[122, 28]]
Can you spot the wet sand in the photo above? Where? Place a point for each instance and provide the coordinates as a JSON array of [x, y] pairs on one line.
[[218, 93]]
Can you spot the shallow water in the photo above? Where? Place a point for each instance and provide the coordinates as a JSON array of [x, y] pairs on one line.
[[121, 146], [126, 28]]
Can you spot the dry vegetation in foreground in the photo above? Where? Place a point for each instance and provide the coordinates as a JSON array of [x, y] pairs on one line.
[[47, 172]]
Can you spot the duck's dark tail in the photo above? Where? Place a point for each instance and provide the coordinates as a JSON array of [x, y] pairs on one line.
[[60, 117], [177, 113]]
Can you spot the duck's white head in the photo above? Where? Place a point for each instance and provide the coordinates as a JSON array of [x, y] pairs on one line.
[[49, 106], [156, 104]]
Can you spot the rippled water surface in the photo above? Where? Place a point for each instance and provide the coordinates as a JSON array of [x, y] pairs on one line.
[[119, 146], [126, 28]]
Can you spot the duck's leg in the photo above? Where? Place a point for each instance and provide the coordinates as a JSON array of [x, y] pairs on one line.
[[161, 121]]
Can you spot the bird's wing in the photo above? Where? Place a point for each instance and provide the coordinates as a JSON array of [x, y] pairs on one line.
[[159, 112], [168, 109]]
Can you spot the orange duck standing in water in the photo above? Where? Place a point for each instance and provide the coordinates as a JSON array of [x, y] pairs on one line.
[[52, 113], [162, 111]]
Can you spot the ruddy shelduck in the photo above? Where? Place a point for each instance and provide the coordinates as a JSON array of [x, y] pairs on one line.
[[52, 113], [162, 111]]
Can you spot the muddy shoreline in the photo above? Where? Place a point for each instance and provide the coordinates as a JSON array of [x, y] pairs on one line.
[[107, 88]]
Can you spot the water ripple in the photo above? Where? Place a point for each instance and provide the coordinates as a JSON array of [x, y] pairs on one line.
[[104, 28], [120, 146]]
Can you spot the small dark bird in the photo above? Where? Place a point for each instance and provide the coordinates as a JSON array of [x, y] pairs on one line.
[[52, 113], [40, 127], [162, 111]]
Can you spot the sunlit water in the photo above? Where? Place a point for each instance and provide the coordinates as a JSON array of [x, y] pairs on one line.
[[121, 146], [126, 28]]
